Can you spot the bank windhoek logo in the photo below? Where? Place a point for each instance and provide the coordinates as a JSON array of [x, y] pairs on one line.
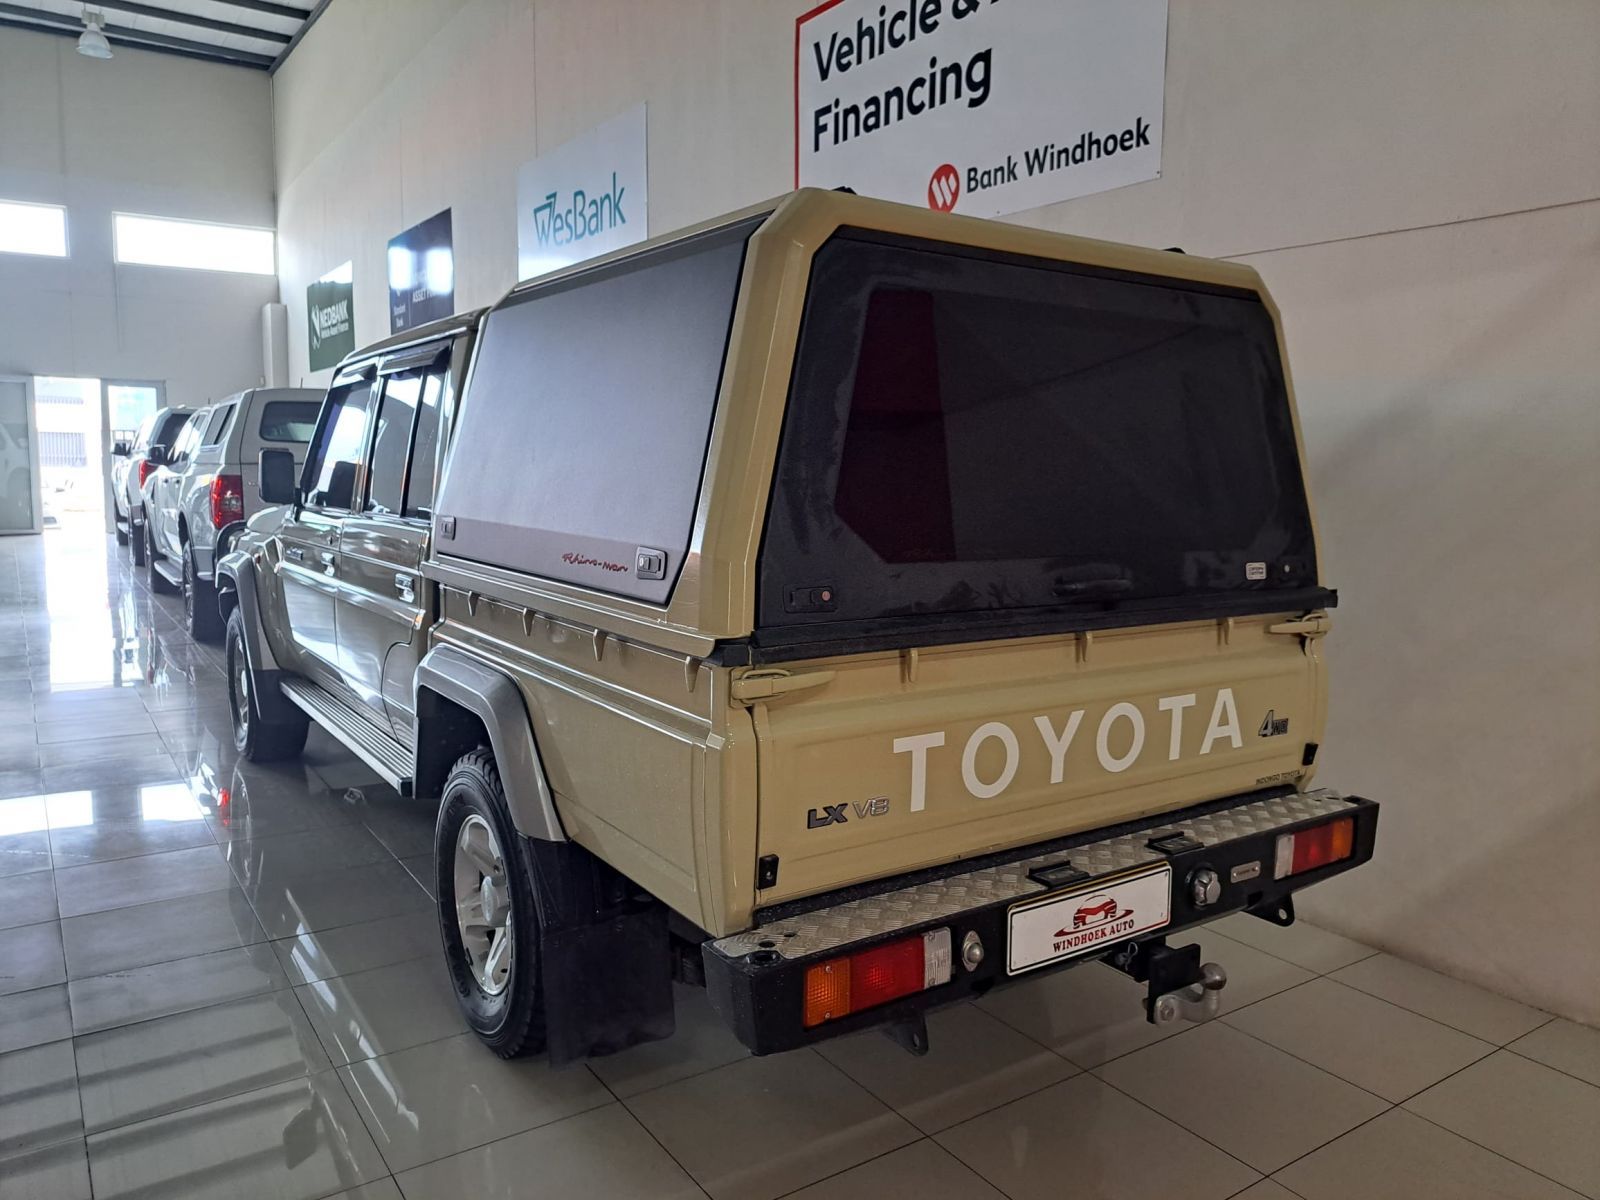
[[944, 189]]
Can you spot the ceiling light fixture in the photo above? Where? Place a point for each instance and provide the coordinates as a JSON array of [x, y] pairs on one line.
[[92, 41]]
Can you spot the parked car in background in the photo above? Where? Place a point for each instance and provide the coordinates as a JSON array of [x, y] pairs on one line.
[[130, 466], [204, 487]]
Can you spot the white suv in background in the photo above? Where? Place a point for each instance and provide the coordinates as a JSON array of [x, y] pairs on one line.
[[204, 487], [130, 467]]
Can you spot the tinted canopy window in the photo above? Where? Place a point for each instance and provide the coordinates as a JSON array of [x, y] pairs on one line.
[[969, 434], [582, 439], [289, 420]]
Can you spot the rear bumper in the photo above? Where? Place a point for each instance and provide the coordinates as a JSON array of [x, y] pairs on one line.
[[756, 979]]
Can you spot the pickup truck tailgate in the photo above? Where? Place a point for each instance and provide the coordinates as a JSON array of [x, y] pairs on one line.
[[879, 764]]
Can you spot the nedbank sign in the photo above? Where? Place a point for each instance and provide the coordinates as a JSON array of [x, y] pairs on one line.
[[583, 198], [330, 318]]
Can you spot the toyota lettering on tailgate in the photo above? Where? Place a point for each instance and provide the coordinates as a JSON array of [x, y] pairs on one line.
[[1122, 724]]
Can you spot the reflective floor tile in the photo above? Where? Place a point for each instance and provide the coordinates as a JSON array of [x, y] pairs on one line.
[[975, 1062], [311, 902], [384, 1010], [1266, 1190], [262, 863], [1399, 1156], [1082, 1138], [1254, 1101], [1566, 1046], [27, 899], [38, 1099], [923, 1170], [291, 1141], [135, 1072], [1302, 943], [346, 949], [161, 989], [447, 1096], [24, 781], [603, 1154], [32, 1018], [58, 1172], [20, 755], [30, 957], [1459, 1005], [1361, 1039], [1528, 1112], [82, 727], [382, 1189], [116, 749], [701, 1042], [22, 853], [404, 826], [420, 867], [112, 839], [152, 803], [764, 1127], [127, 881], [120, 938], [147, 768]]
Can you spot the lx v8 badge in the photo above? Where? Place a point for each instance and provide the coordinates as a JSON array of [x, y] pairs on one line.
[[838, 814]]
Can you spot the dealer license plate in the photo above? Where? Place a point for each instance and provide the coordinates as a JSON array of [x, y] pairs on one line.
[[1090, 917]]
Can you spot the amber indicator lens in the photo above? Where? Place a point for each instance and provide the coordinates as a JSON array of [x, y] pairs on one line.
[[1334, 841], [864, 980]]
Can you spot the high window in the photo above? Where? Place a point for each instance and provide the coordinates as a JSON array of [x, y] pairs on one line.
[[33, 229], [197, 245]]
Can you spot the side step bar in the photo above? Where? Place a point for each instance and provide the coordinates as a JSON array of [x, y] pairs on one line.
[[354, 726], [167, 571]]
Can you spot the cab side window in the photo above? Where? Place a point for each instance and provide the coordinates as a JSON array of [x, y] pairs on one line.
[[404, 449], [141, 439], [333, 466], [188, 441], [217, 429]]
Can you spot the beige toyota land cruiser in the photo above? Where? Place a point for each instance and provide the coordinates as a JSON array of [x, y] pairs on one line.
[[850, 607]]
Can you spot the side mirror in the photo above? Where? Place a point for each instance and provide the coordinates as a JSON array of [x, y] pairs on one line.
[[157, 456], [277, 483], [120, 450]]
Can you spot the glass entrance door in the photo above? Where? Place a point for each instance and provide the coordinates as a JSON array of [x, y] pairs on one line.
[[19, 458], [127, 403]]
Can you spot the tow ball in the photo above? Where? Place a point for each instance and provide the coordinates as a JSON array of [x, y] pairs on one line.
[[1177, 985]]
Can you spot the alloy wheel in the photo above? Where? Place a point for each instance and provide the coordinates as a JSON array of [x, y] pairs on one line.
[[483, 905]]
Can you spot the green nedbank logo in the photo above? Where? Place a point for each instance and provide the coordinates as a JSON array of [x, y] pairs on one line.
[[329, 321], [584, 216]]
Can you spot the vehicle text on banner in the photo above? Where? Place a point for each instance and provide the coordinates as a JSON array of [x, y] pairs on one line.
[[586, 197], [982, 107]]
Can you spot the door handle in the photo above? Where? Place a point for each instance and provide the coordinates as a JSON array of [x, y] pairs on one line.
[[329, 558], [405, 586], [295, 554]]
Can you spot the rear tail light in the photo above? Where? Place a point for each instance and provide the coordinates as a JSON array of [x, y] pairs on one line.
[[145, 467], [868, 978], [227, 500], [1308, 849]]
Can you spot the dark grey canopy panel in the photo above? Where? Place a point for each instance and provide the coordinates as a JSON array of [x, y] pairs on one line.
[[582, 440]]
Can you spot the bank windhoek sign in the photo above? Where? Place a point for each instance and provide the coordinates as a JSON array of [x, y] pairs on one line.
[[586, 197], [983, 107]]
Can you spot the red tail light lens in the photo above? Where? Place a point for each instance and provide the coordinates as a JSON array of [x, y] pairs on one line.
[[1308, 849], [864, 980], [145, 467], [227, 500]]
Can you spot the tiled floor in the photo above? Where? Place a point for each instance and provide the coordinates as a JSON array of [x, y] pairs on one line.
[[224, 980]]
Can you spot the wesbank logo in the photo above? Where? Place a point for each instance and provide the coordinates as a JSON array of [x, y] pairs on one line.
[[584, 216]]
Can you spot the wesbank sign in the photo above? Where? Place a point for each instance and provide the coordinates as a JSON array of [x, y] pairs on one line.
[[584, 198]]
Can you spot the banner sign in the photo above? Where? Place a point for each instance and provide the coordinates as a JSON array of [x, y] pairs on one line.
[[330, 315], [979, 106], [584, 198], [422, 274]]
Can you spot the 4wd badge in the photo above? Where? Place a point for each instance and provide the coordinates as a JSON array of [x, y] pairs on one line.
[[1273, 725]]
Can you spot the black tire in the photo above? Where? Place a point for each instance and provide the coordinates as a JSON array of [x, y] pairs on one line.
[[158, 581], [203, 620], [510, 1022], [122, 534], [254, 736], [136, 536]]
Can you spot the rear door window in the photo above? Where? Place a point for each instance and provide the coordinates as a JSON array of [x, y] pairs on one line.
[[425, 444], [217, 427], [397, 414], [971, 433]]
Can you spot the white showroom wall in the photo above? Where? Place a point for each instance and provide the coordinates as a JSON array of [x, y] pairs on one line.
[[142, 133], [1416, 179]]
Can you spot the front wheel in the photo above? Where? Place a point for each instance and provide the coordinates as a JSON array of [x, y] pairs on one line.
[[122, 534], [158, 581], [136, 538], [255, 736], [487, 916]]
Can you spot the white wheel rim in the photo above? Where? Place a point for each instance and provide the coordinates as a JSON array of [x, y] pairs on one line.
[[483, 905]]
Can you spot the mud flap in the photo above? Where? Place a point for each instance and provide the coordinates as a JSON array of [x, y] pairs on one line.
[[605, 956]]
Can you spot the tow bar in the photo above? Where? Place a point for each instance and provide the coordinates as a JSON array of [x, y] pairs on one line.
[[1178, 985]]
